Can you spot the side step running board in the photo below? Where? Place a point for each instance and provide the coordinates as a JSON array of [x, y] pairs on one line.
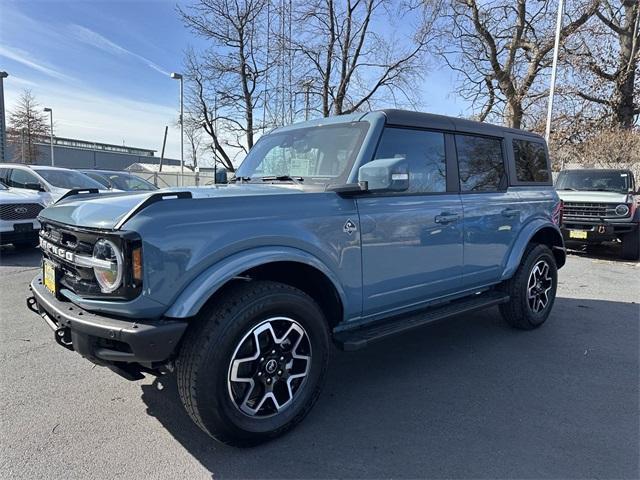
[[361, 337]]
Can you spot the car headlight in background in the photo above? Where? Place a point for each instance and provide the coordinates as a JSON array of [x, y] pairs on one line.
[[622, 210], [109, 274]]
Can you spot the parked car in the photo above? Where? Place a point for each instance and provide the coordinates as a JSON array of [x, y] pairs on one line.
[[347, 230], [123, 181], [19, 210], [51, 182], [601, 205]]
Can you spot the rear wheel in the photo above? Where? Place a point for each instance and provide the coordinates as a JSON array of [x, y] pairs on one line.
[[631, 245], [253, 365], [532, 290]]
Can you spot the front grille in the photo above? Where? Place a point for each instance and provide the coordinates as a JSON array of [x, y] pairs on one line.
[[79, 280], [19, 211], [590, 210]]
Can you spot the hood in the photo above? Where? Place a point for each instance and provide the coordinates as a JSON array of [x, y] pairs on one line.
[[19, 195], [591, 196], [104, 211]]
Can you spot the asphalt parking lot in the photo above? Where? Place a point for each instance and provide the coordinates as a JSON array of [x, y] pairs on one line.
[[469, 398]]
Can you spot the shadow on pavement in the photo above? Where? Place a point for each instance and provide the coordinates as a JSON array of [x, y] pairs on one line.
[[14, 257], [605, 251], [465, 398]]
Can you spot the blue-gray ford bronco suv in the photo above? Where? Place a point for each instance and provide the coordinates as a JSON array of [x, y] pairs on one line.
[[344, 230]]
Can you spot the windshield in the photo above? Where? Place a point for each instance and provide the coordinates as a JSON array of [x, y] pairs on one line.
[[3, 186], [67, 178], [322, 154], [122, 181], [594, 180]]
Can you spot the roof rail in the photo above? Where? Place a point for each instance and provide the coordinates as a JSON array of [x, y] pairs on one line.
[[149, 200], [77, 191]]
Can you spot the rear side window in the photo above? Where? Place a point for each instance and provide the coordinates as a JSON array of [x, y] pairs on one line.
[[424, 152], [531, 161], [480, 163]]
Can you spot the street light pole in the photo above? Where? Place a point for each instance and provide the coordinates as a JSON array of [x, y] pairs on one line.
[[47, 109], [3, 125], [554, 66], [178, 76]]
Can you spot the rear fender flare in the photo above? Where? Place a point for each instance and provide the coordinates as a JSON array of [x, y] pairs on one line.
[[526, 234]]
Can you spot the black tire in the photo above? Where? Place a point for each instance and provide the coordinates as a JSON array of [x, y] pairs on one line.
[[519, 312], [631, 245], [25, 244], [204, 364]]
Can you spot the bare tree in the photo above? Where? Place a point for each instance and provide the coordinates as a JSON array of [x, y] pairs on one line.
[[603, 64], [27, 125], [501, 49], [231, 70], [352, 64]]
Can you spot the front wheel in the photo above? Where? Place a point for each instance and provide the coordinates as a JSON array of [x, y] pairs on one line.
[[532, 290], [253, 365], [631, 245]]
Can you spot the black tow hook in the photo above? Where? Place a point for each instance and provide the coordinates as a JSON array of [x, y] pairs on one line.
[[63, 337], [33, 305]]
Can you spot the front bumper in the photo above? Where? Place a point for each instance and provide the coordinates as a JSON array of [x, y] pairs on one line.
[[106, 340], [596, 232]]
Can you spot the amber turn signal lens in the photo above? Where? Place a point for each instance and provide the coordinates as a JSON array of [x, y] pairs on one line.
[[136, 262]]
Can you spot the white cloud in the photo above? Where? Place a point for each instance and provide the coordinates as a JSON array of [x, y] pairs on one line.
[[26, 59], [96, 40]]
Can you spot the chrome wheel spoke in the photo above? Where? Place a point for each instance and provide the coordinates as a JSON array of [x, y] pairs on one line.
[[539, 284]]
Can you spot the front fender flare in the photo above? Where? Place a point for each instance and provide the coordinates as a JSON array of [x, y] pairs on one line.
[[199, 290], [525, 236]]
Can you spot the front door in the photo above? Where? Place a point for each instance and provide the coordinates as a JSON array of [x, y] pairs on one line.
[[411, 241]]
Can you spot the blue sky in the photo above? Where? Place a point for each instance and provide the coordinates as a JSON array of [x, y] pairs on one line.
[[103, 66]]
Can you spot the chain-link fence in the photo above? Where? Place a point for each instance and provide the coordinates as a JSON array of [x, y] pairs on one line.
[[187, 179]]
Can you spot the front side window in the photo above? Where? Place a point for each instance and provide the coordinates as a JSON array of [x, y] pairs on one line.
[[320, 155], [68, 179], [531, 161], [480, 163], [425, 154], [21, 178]]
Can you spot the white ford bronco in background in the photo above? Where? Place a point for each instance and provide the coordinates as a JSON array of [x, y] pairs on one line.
[[601, 205]]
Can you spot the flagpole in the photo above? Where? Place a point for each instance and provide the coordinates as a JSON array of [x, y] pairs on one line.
[[554, 67]]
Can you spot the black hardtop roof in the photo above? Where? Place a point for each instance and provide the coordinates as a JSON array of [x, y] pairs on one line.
[[408, 118]]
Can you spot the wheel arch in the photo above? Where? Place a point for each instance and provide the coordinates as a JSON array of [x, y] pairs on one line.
[[287, 265], [542, 232]]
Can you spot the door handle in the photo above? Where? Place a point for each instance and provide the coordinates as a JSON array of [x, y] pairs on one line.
[[510, 212], [445, 218]]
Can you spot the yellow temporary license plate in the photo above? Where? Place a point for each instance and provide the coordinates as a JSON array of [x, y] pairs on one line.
[[581, 234], [49, 275]]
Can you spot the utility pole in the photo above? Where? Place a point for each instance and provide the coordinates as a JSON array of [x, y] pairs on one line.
[[554, 67], [164, 143], [178, 76], [22, 142], [3, 124], [47, 109]]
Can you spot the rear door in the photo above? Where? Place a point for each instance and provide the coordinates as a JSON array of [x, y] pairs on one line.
[[411, 241], [492, 214]]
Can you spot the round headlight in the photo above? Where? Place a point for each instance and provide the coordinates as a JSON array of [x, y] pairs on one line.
[[622, 210], [109, 265]]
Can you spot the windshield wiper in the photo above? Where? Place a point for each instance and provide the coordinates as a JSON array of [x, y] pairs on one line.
[[569, 188], [241, 179], [282, 178]]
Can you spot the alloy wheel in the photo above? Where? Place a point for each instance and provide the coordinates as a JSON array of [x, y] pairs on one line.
[[269, 366], [538, 287]]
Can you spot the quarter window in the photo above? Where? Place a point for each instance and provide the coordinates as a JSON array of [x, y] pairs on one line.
[[480, 163], [531, 161], [425, 154]]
